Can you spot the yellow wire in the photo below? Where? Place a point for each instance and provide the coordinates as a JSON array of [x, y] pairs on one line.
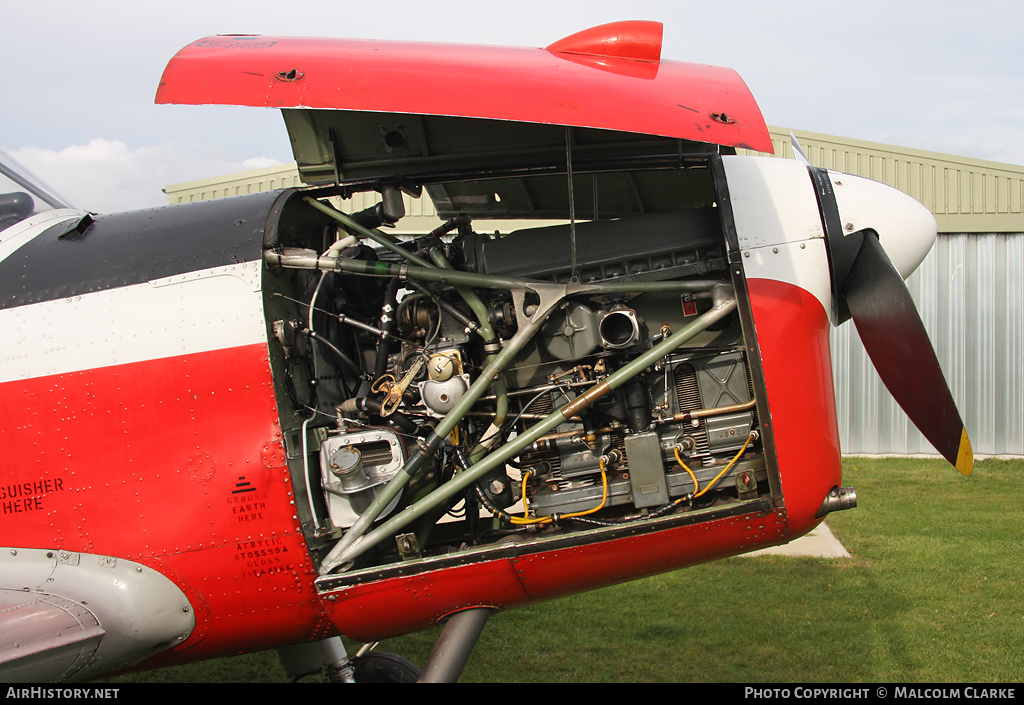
[[696, 485], [604, 494], [523, 520], [727, 467], [526, 509]]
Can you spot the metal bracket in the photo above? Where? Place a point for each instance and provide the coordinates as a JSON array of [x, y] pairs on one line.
[[408, 546], [550, 296]]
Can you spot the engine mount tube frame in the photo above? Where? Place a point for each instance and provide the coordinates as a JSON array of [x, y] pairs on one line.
[[338, 557]]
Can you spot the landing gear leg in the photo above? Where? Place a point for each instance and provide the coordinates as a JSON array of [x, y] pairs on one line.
[[455, 645], [303, 659]]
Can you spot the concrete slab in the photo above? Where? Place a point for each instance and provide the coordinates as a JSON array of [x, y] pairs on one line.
[[820, 543]]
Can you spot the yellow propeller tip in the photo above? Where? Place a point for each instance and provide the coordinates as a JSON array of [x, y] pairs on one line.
[[965, 456]]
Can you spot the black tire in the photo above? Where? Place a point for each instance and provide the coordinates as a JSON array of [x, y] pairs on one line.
[[381, 667]]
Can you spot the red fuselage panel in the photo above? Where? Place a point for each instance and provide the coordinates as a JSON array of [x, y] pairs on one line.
[[418, 601], [176, 463], [792, 333]]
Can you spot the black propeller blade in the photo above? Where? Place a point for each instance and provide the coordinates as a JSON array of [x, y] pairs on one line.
[[867, 287], [899, 348]]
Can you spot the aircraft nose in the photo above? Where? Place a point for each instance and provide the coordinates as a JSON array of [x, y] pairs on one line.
[[906, 229]]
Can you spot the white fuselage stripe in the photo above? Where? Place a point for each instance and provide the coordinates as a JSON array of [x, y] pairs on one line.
[[200, 311]]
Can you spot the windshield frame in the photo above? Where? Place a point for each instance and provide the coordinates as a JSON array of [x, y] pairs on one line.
[[23, 195], [20, 175]]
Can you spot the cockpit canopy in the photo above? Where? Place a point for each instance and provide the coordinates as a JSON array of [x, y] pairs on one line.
[[23, 194]]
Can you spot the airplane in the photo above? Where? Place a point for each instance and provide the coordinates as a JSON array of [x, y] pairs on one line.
[[265, 422]]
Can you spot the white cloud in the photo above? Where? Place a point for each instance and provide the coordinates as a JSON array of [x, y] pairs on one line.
[[106, 176]]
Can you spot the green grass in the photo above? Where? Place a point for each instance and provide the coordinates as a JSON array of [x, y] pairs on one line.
[[931, 594]]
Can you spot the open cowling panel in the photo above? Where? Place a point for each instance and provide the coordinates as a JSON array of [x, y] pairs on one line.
[[585, 372]]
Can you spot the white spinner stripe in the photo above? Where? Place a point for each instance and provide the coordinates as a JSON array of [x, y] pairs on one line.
[[200, 311], [773, 201], [802, 264], [778, 223]]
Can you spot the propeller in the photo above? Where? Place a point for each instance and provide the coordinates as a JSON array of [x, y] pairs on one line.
[[898, 345], [868, 287]]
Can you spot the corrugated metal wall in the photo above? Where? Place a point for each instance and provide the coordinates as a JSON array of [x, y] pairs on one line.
[[970, 292], [255, 181]]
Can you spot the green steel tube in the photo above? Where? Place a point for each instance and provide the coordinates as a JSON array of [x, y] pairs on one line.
[[469, 296], [425, 271], [500, 414], [513, 448], [430, 274], [485, 331], [490, 281], [366, 232], [691, 285]]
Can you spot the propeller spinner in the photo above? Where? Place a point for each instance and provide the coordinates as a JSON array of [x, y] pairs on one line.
[[876, 236]]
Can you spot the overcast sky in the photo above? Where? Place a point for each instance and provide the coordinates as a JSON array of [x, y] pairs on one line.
[[79, 77]]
